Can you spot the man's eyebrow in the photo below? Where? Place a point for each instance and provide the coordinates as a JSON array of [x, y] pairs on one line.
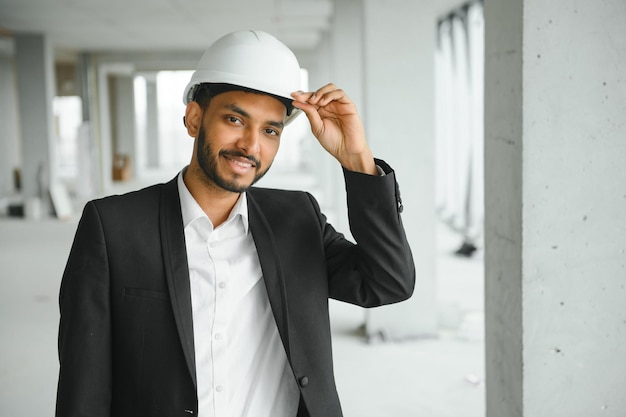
[[279, 125], [244, 113], [237, 109]]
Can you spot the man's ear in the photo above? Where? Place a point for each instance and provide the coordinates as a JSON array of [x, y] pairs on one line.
[[193, 118]]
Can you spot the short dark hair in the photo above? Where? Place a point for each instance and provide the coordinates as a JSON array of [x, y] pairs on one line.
[[204, 92]]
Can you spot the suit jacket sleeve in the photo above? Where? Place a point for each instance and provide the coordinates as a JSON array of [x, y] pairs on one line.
[[379, 269], [85, 325]]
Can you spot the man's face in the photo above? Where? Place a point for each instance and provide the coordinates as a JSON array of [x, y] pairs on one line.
[[238, 139]]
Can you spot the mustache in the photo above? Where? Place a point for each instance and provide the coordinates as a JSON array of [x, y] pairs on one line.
[[237, 154]]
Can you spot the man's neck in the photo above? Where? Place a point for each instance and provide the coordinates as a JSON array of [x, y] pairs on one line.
[[216, 202]]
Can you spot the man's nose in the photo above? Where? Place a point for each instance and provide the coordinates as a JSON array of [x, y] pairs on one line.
[[250, 142]]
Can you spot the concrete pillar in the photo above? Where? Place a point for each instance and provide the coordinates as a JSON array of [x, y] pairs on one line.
[[152, 121], [123, 118], [346, 60], [87, 153], [105, 127], [347, 48], [398, 111], [35, 89], [316, 160], [9, 138], [338, 59], [555, 258], [85, 82]]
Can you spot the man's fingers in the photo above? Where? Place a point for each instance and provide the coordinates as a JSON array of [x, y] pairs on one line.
[[311, 113], [321, 97], [302, 96]]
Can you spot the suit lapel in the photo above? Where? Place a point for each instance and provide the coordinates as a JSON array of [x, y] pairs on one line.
[[271, 267], [176, 269]]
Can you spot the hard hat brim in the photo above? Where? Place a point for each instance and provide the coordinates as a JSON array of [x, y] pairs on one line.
[[221, 87]]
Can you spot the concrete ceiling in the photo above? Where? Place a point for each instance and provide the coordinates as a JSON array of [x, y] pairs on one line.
[[153, 27], [163, 25]]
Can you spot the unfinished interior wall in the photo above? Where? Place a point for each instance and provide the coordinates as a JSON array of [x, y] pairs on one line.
[[555, 126]]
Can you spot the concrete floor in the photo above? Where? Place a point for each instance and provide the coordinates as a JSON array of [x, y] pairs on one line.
[[441, 377]]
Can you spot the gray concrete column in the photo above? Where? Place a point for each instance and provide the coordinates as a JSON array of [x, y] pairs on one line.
[[347, 48], [338, 59], [346, 60], [316, 160], [123, 118], [35, 89], [152, 121], [9, 138], [86, 84], [398, 110], [555, 185], [88, 180]]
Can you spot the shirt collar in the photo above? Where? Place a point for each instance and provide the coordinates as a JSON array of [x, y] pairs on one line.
[[192, 211]]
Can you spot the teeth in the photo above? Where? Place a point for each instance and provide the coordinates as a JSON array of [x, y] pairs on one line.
[[241, 163]]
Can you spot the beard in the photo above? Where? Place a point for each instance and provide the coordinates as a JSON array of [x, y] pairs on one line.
[[208, 163]]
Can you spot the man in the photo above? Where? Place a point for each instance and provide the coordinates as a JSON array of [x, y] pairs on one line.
[[206, 296]]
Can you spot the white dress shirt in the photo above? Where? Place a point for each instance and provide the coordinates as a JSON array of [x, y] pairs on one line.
[[241, 365]]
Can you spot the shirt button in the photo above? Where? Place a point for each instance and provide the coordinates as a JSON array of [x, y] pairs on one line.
[[218, 336], [219, 388], [304, 381], [222, 285]]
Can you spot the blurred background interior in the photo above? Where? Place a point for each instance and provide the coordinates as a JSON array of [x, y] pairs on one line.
[[91, 105]]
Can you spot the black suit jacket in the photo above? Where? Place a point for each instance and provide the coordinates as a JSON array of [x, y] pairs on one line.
[[126, 333]]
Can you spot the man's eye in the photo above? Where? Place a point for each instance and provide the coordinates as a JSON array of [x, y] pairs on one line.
[[233, 119], [272, 132]]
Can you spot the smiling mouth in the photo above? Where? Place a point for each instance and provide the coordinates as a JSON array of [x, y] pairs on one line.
[[242, 161]]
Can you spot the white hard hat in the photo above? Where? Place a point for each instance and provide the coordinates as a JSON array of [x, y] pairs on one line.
[[252, 59]]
